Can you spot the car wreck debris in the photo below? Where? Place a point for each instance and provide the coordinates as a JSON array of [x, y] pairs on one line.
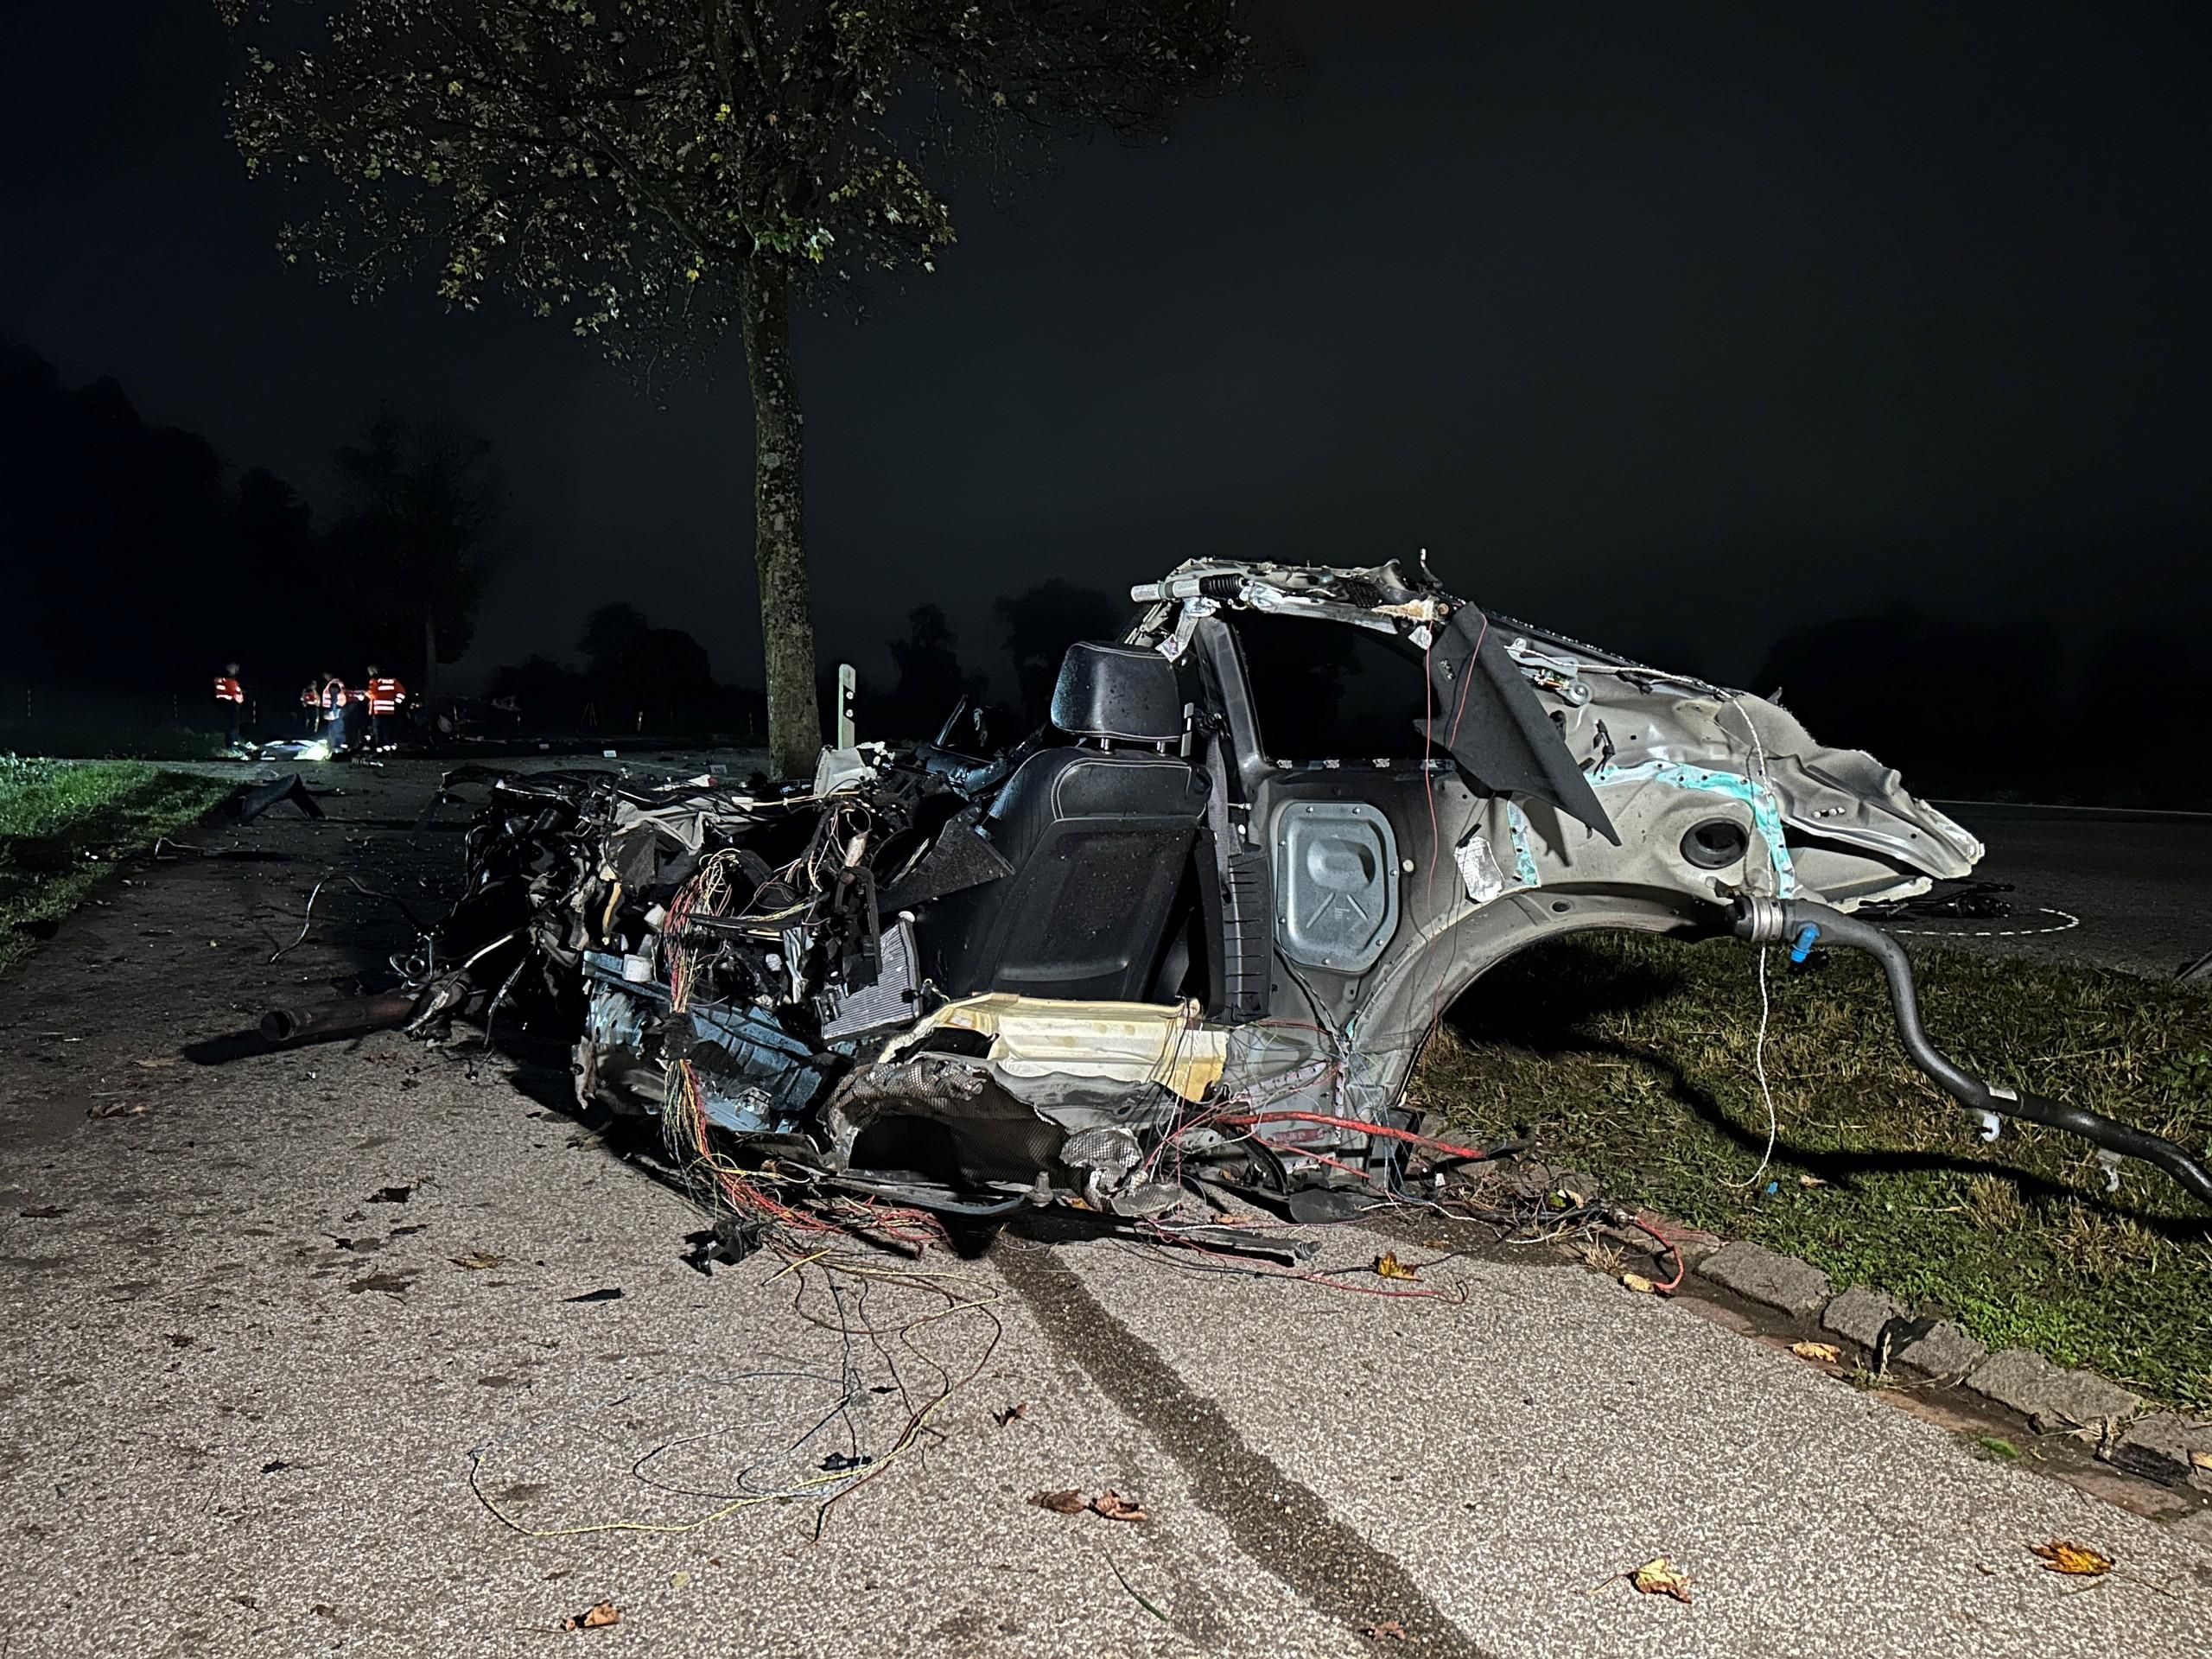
[[1196, 930]]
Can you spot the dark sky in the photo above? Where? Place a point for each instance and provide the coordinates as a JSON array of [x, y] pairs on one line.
[[1656, 323]]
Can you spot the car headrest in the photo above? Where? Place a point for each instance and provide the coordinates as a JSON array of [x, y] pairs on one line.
[[1124, 691]]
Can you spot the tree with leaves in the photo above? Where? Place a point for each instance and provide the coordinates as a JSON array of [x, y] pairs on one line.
[[610, 631], [653, 171], [413, 549], [931, 680]]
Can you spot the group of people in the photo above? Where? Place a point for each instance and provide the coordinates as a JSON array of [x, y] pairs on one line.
[[347, 717]]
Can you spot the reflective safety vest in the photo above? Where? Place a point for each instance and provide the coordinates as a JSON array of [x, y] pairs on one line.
[[385, 694], [333, 696], [228, 689], [310, 695]]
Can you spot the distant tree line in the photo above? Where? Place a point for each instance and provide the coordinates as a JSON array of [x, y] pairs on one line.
[[635, 677], [136, 565], [2019, 709]]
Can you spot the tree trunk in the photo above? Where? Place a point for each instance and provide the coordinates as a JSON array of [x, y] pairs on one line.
[[779, 546]]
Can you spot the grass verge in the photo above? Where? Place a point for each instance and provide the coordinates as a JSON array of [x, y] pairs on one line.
[[62, 825], [1633, 1057]]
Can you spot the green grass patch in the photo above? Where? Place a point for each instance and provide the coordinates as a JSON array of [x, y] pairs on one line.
[[1633, 1057], [61, 826]]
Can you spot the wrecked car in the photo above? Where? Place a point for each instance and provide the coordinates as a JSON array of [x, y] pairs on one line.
[[1200, 924]]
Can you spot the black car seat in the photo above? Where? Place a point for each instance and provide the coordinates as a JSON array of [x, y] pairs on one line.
[[1099, 833]]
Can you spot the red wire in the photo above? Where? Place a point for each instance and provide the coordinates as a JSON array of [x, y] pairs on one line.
[[1670, 1246], [1472, 1154], [1467, 679]]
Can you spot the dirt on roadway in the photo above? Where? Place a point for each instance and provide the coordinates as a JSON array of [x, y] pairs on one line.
[[291, 1325]]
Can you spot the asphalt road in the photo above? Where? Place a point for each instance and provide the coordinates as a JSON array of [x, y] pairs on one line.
[[2141, 883], [272, 1310]]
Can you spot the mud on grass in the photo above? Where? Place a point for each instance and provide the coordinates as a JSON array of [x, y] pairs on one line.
[[62, 825], [1633, 1057]]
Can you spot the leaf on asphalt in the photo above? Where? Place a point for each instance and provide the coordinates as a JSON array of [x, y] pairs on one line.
[[1387, 1265], [1638, 1283], [156, 1062], [1019, 1410], [2201, 1459], [1388, 1629], [1827, 1352], [1658, 1577], [43, 1211], [597, 1616], [1109, 1503], [477, 1260], [1112, 1504], [2076, 1560]]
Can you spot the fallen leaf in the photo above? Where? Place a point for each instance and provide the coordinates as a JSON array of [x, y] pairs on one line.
[[680, 1580], [2076, 1560], [1388, 1630], [2201, 1459], [1996, 1446], [1810, 1180], [390, 1195], [1658, 1577], [43, 1211], [597, 1616], [1112, 1504], [1021, 1408], [1638, 1283], [477, 1260], [1827, 1352], [1066, 1502], [156, 1062], [1387, 1265]]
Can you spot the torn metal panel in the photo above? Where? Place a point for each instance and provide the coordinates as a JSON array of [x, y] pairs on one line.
[[1491, 720]]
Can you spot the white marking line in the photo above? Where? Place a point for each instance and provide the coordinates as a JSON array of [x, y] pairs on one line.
[[2066, 920]]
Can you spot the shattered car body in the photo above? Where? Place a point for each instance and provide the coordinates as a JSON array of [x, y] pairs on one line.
[[1202, 923]]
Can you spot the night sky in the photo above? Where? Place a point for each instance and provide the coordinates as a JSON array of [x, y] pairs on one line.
[[1658, 323]]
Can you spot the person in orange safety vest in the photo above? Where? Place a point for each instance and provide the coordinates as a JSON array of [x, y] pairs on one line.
[[336, 701], [230, 702], [385, 693]]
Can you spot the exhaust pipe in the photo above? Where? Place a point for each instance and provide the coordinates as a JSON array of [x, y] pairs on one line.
[[1799, 925], [347, 1017]]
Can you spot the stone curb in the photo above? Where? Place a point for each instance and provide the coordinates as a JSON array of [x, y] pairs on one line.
[[2162, 1445]]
